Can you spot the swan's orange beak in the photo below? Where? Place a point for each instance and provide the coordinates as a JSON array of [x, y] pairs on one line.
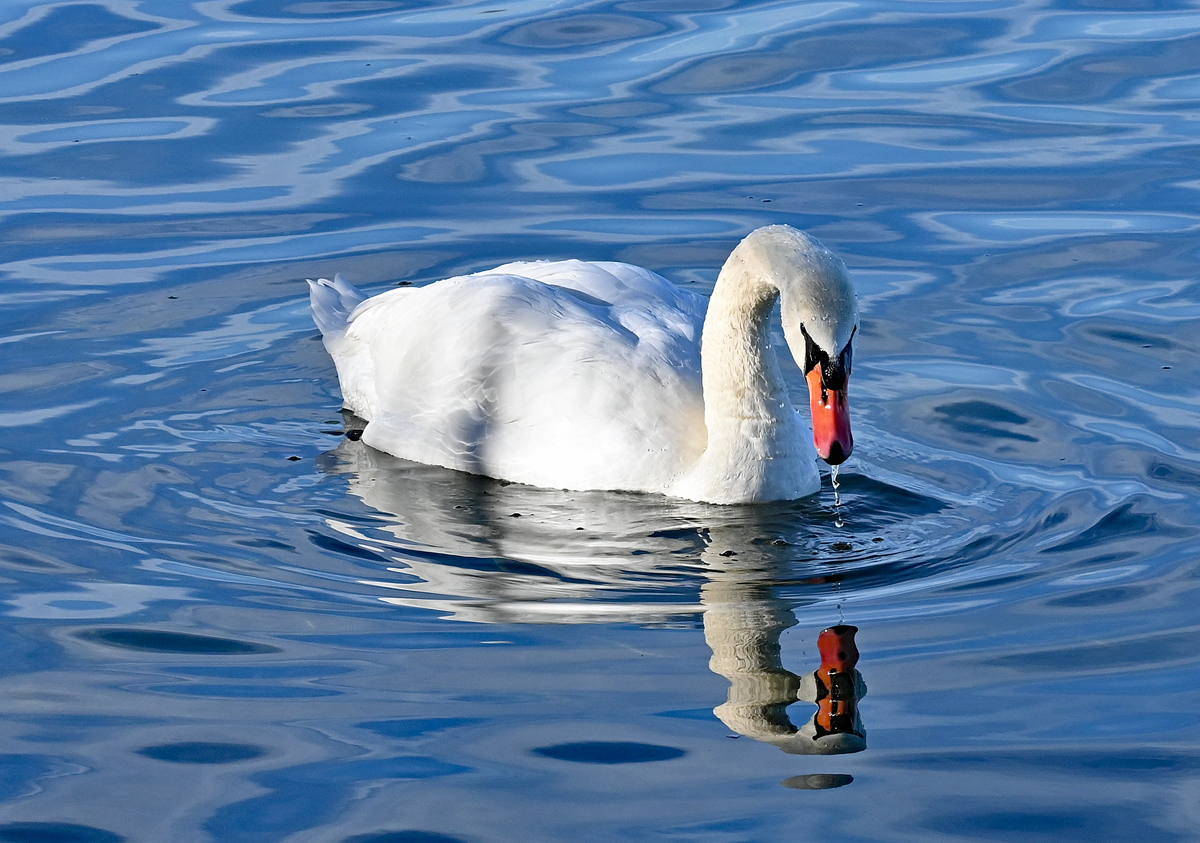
[[830, 419]]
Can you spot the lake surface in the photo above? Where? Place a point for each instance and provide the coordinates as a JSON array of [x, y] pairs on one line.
[[225, 621]]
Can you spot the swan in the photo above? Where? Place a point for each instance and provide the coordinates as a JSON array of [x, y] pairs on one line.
[[605, 376]]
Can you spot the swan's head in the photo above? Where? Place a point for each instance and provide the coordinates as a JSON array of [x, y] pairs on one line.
[[820, 317]]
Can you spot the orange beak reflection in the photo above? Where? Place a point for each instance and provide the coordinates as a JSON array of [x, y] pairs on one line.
[[830, 420]]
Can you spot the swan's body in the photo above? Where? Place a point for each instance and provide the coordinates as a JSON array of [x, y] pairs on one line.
[[580, 375]]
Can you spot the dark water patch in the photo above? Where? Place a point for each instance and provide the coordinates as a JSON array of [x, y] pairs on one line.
[[1127, 337], [416, 726], [201, 752], [27, 560], [692, 540], [161, 641], [609, 752], [1100, 597], [983, 418], [326, 9], [984, 546], [406, 836], [580, 31], [485, 565], [362, 519], [265, 544], [51, 832], [818, 781], [336, 545], [19, 773], [1124, 522], [1053, 519], [1173, 473], [1103, 559]]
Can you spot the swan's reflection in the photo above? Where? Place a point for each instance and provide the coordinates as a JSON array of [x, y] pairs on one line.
[[760, 691], [743, 620], [478, 550]]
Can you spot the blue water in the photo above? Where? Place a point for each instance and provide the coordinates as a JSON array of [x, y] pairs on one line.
[[223, 620]]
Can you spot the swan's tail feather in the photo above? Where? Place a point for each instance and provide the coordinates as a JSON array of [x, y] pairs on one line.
[[332, 303]]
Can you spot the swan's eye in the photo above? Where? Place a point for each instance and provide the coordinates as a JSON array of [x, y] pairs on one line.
[[833, 372]]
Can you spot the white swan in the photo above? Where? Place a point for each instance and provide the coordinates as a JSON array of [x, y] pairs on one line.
[[597, 375]]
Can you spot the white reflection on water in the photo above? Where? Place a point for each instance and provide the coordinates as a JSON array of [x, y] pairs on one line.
[[93, 602], [998, 228], [483, 551]]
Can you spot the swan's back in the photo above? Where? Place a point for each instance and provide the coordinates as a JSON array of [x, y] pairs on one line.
[[565, 374]]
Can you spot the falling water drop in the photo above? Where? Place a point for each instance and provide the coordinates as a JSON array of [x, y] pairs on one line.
[[838, 522], [837, 498]]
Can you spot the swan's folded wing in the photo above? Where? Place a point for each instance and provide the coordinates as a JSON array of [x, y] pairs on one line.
[[510, 377]]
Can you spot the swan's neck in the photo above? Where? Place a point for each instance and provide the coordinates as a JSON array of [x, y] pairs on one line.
[[756, 445], [742, 381]]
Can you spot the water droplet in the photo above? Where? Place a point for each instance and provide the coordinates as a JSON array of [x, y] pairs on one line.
[[837, 497]]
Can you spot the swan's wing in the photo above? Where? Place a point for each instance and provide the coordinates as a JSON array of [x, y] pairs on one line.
[[663, 316], [621, 285], [512, 377]]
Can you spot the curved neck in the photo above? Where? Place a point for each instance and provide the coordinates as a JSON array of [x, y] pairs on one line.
[[743, 386], [758, 449]]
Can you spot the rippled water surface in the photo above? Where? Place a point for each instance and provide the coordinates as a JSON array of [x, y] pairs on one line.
[[224, 620]]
